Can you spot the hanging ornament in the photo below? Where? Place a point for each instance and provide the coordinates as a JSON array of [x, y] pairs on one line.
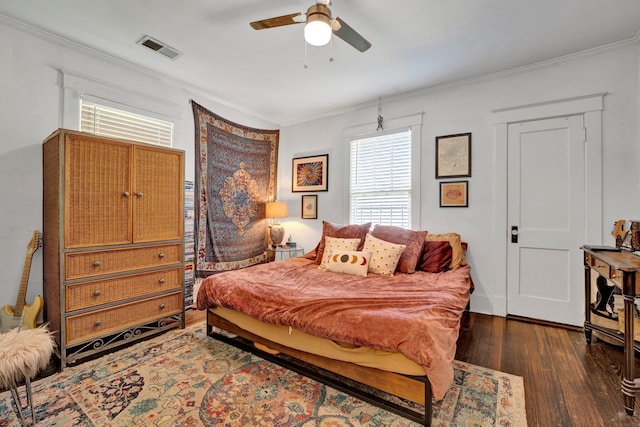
[[380, 118]]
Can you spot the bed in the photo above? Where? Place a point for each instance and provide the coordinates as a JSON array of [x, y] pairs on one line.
[[380, 308]]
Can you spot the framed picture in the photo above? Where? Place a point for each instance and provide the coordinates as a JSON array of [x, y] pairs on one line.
[[454, 194], [310, 173], [309, 206], [453, 156]]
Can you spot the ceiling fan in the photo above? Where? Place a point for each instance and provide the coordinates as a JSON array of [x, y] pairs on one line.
[[319, 25]]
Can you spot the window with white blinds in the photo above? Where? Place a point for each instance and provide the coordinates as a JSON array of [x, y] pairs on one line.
[[108, 121], [380, 179]]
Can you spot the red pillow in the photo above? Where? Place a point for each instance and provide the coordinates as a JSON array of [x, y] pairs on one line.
[[436, 257], [414, 240], [349, 231]]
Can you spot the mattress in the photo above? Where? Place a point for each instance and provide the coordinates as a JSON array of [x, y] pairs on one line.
[[293, 338]]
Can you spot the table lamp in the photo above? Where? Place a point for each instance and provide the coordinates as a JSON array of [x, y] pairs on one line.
[[275, 211]]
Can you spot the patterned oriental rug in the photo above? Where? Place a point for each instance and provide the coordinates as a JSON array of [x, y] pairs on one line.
[[184, 378], [236, 171]]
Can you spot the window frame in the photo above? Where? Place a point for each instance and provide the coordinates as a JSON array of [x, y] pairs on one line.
[[400, 124], [130, 112], [76, 86]]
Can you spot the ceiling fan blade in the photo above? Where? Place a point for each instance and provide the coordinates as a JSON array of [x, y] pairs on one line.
[[278, 21], [351, 36]]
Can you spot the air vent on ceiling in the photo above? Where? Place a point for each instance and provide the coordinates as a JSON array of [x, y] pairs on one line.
[[159, 47]]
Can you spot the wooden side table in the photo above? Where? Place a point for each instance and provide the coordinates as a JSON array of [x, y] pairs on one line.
[[284, 252], [623, 269]]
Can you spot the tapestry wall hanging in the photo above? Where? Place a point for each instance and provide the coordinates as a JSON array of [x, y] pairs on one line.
[[236, 170]]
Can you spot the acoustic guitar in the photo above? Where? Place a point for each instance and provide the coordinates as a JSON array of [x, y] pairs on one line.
[[23, 314]]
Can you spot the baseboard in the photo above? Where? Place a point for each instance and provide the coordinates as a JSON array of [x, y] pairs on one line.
[[544, 322], [482, 304]]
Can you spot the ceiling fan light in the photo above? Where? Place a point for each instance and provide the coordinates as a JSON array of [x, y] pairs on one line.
[[317, 30]]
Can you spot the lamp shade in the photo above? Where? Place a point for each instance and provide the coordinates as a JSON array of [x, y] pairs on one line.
[[276, 210], [317, 30]]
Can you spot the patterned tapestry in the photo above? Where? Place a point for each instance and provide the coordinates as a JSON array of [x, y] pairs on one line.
[[236, 169]]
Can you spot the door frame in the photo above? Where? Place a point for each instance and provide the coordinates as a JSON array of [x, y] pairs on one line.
[[590, 106]]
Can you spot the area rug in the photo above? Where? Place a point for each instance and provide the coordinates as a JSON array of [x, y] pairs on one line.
[[184, 378], [236, 172]]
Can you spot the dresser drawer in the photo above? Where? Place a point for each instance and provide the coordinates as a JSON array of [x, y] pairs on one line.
[[601, 267], [95, 263], [613, 274], [90, 294], [110, 320]]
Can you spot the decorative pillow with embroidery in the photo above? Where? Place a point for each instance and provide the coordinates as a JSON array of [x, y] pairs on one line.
[[349, 231], [384, 255], [337, 244], [413, 239], [349, 262]]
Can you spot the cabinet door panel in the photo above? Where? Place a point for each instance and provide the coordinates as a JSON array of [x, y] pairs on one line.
[[97, 207], [157, 195]]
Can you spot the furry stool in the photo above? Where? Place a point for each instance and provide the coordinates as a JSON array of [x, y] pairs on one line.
[[23, 353]]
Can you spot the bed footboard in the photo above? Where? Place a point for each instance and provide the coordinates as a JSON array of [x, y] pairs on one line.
[[415, 389]]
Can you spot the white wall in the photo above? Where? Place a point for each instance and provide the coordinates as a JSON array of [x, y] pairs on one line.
[[32, 105], [468, 108]]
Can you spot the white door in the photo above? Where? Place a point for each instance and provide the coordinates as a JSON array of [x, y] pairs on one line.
[[546, 219]]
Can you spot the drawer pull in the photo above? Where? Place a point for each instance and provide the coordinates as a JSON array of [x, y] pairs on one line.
[[162, 281], [125, 194], [96, 263], [161, 255], [97, 293], [139, 194], [162, 306], [97, 323]]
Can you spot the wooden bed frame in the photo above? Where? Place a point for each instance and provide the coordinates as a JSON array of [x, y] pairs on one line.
[[415, 389]]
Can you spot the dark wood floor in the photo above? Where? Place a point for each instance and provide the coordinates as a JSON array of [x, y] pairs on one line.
[[567, 382]]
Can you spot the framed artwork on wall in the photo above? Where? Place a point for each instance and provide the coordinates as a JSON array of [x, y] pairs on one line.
[[309, 206], [453, 156], [310, 173], [454, 194]]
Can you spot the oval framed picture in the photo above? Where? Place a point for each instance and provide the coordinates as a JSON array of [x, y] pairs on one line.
[[454, 194]]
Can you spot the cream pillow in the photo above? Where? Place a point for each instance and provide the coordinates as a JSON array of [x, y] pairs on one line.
[[349, 262], [337, 244], [384, 255]]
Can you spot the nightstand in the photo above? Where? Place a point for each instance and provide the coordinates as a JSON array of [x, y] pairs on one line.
[[282, 252]]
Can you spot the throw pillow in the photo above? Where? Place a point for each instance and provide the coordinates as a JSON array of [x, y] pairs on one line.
[[436, 257], [337, 244], [414, 240], [384, 255], [458, 257], [349, 262], [342, 231]]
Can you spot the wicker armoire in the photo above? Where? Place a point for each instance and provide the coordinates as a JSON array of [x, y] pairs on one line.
[[112, 241]]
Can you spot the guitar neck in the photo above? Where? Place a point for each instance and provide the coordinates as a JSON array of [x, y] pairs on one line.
[[24, 282], [34, 244]]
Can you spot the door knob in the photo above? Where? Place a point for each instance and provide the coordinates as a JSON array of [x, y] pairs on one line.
[[514, 234]]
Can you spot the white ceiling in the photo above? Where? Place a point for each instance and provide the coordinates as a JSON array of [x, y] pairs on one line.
[[416, 44]]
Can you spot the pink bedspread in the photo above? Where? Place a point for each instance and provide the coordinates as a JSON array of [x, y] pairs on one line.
[[416, 314]]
